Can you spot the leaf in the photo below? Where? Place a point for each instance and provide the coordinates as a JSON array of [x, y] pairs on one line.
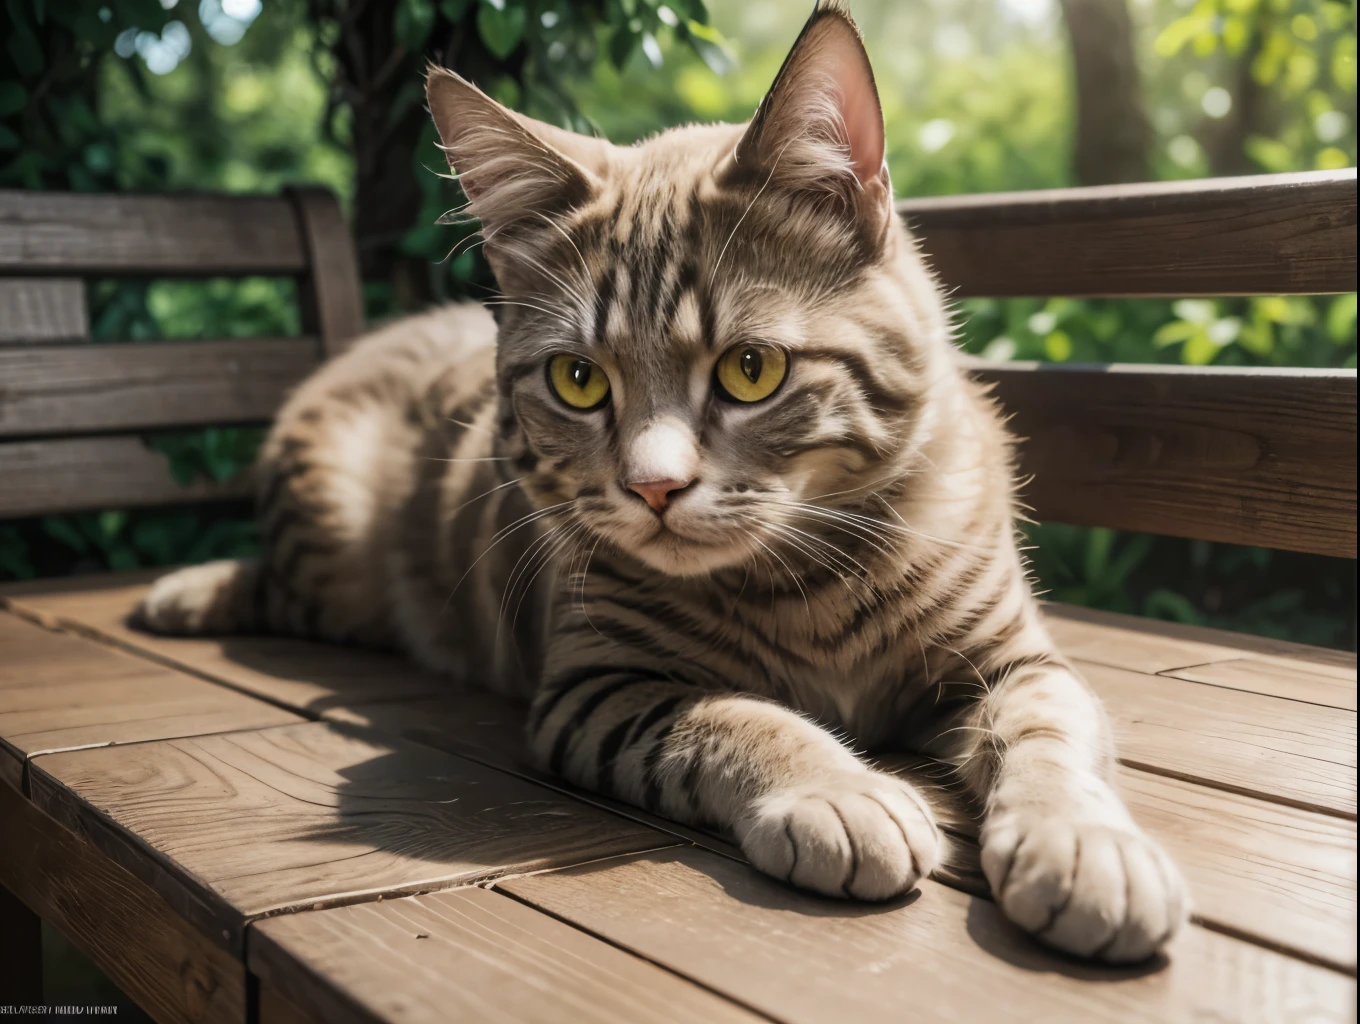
[[454, 9], [60, 528], [709, 44], [501, 30], [413, 21], [1341, 319], [13, 96], [1174, 333]]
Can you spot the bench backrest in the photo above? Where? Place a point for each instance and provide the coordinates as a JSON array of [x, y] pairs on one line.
[[1264, 457]]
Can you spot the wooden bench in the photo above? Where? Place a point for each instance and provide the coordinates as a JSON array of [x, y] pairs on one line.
[[263, 829]]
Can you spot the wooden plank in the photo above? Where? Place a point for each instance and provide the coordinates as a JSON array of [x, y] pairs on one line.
[[1282, 750], [76, 474], [60, 692], [333, 299], [275, 1009], [21, 967], [247, 824], [1262, 235], [299, 674], [71, 389], [941, 955], [1152, 646], [469, 954], [1276, 677], [1280, 876], [43, 309], [145, 947], [1236, 455], [45, 233]]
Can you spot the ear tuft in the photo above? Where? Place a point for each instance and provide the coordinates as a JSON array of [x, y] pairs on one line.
[[820, 127], [513, 169]]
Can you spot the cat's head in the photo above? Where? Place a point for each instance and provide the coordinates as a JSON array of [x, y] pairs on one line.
[[716, 339]]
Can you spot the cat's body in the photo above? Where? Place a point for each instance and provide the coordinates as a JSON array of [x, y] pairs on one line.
[[714, 494]]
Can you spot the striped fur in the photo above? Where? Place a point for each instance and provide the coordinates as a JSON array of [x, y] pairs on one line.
[[840, 576]]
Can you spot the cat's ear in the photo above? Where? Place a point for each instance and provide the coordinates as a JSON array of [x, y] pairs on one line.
[[820, 127], [513, 169]]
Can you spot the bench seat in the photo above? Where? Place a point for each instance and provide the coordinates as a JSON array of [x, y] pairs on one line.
[[256, 825]]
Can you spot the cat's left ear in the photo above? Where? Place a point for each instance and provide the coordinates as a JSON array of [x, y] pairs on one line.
[[819, 130]]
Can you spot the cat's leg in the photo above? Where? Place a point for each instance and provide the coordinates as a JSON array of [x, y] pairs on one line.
[[803, 807], [1064, 858]]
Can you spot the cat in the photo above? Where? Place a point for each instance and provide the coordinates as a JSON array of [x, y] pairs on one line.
[[715, 494]]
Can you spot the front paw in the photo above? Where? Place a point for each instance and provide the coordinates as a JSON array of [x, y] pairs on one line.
[[1098, 890], [864, 835]]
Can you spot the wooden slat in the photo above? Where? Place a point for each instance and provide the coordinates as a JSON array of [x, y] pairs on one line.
[[45, 233], [1153, 646], [333, 300], [1284, 750], [1277, 678], [1242, 456], [469, 954], [1268, 235], [308, 677], [60, 692], [1280, 876], [940, 956], [246, 824], [71, 389], [42, 309], [76, 474], [144, 946]]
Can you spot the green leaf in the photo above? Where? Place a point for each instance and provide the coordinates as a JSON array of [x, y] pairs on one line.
[[13, 96], [501, 30], [61, 529], [1341, 319], [621, 46], [454, 9], [413, 22], [1174, 333], [709, 44]]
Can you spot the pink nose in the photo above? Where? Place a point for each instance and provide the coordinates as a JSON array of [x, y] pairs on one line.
[[657, 492]]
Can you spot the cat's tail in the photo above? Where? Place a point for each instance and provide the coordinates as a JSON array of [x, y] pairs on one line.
[[213, 598]]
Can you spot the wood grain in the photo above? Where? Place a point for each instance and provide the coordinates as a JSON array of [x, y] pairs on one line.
[[1281, 876], [299, 674], [941, 956], [72, 389], [469, 954], [246, 824], [60, 692], [145, 947], [80, 473], [1282, 750], [1152, 646], [333, 301], [42, 309], [1277, 677], [46, 233], [1262, 235], [1240, 456]]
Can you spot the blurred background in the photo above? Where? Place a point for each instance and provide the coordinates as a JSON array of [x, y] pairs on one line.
[[979, 95]]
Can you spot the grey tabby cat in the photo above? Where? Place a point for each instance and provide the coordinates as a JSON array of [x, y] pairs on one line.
[[722, 411]]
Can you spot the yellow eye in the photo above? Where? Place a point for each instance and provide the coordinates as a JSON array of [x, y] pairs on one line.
[[748, 373], [578, 382]]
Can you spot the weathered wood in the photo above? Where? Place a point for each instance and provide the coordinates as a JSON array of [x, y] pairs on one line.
[[60, 692], [247, 824], [1241, 456], [42, 309], [1153, 646], [1279, 876], [76, 474], [468, 954], [333, 299], [275, 1009], [144, 946], [46, 233], [21, 960], [1276, 677], [299, 674], [72, 389], [1287, 751], [1264, 235], [942, 955]]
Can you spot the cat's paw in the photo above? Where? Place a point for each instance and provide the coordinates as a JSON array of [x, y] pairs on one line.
[[190, 601], [864, 835], [1094, 889]]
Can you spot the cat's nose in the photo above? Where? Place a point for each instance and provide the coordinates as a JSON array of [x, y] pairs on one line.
[[656, 493]]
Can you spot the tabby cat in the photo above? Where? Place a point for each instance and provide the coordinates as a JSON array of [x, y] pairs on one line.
[[715, 492]]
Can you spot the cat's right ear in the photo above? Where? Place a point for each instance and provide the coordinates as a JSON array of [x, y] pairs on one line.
[[514, 170]]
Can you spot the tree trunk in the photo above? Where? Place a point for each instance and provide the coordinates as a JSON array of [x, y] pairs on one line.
[[1113, 135]]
